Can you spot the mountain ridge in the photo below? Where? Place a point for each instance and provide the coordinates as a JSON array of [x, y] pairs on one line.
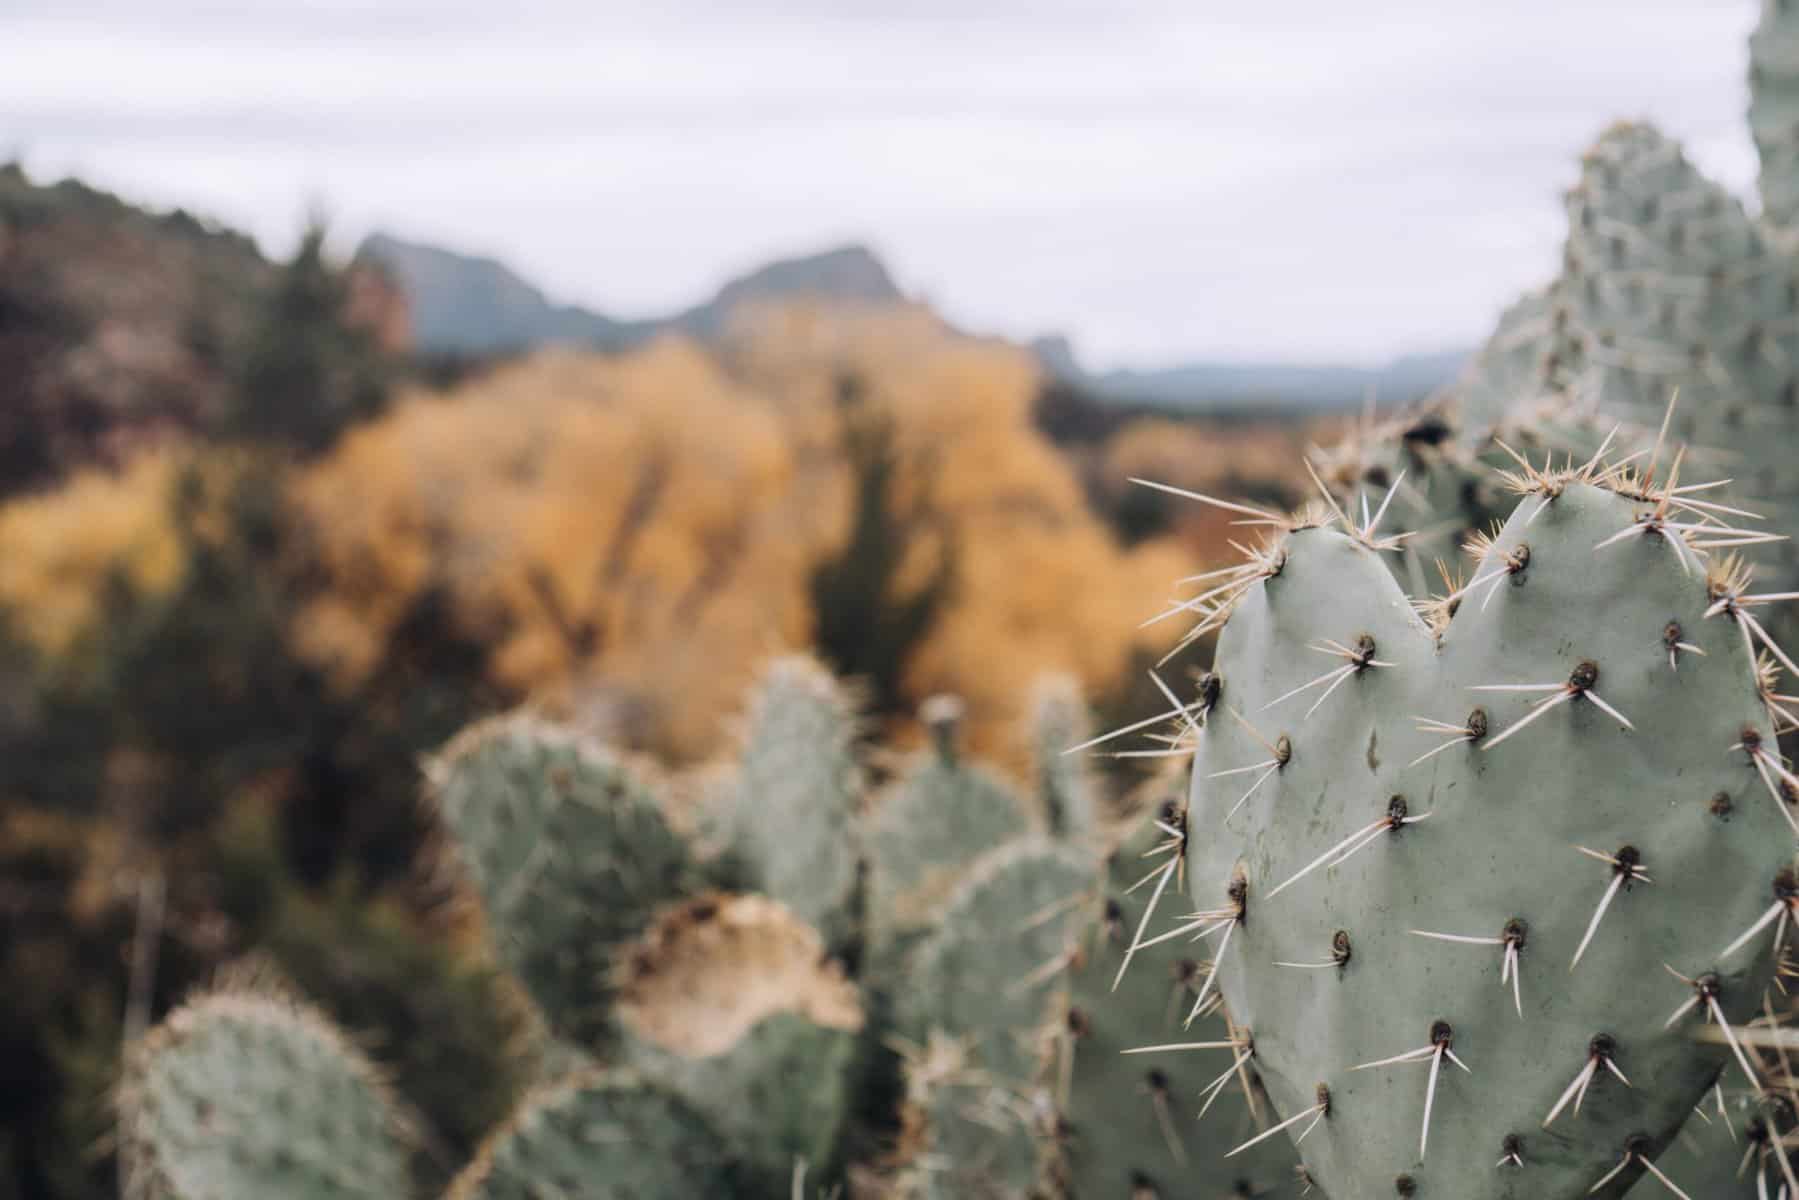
[[470, 305]]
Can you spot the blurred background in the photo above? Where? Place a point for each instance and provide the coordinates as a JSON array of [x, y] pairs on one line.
[[367, 368]]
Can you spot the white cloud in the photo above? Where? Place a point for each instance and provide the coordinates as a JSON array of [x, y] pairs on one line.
[[1161, 180]]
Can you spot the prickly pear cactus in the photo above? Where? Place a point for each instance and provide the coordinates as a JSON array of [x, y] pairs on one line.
[[1674, 291], [999, 950], [608, 1135], [238, 1094], [1443, 481], [927, 830], [1546, 823], [1432, 482], [569, 852], [1520, 365], [1774, 111], [730, 1002], [799, 794], [966, 1133], [1066, 790], [1723, 1153], [1671, 286], [1127, 1116]]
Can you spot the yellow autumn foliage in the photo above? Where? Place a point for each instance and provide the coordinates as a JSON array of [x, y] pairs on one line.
[[634, 526], [59, 549], [631, 535], [1039, 584]]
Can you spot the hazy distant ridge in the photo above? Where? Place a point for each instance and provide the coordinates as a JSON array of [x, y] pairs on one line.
[[463, 304], [468, 305]]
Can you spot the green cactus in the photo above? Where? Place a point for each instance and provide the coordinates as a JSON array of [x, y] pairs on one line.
[[1774, 111], [569, 852], [1520, 366], [1673, 289], [1128, 1118], [607, 1135], [968, 1134], [244, 1094], [729, 1002], [1066, 791], [999, 948], [1367, 787], [978, 1010], [1717, 1161], [926, 831], [1433, 483], [799, 794], [1669, 285]]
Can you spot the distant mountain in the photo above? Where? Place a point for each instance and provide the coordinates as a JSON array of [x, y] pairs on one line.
[[467, 305], [464, 304], [847, 273], [1260, 387]]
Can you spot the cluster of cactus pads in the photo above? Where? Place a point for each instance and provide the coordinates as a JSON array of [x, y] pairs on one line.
[[726, 996], [1494, 865]]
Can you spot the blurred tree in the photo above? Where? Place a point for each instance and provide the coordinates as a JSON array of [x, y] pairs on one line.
[[308, 372], [867, 627]]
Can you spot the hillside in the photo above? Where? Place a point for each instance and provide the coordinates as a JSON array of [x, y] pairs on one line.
[[115, 323], [122, 328]]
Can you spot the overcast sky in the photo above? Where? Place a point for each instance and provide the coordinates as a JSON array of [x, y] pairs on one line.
[[1162, 181]]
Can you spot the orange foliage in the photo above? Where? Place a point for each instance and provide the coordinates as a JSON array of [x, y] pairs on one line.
[[1039, 584], [638, 526], [59, 550], [632, 535]]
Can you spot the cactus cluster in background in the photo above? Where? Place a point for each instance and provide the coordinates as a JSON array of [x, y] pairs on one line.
[[719, 1010]]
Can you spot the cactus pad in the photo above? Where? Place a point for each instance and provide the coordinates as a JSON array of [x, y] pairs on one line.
[[926, 831], [1774, 111], [965, 1133], [999, 949], [604, 1135], [1066, 791], [1127, 1117], [798, 794], [239, 1094], [1567, 823], [569, 852]]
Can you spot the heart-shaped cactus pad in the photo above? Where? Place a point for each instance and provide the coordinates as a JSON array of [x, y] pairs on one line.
[[1485, 880]]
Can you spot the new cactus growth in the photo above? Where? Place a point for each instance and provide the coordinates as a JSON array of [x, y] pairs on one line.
[[730, 1002], [606, 1135], [1509, 808], [569, 853], [244, 1094]]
